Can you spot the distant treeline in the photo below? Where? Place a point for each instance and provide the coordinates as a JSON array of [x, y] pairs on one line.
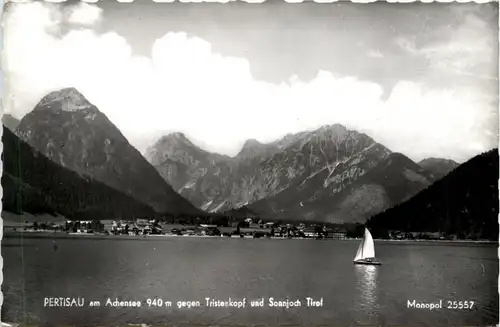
[[463, 204], [33, 183]]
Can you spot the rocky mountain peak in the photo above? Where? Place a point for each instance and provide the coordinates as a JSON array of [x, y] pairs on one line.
[[288, 139], [333, 128], [176, 145], [175, 138], [251, 143], [73, 133], [250, 146], [67, 99], [329, 131], [337, 132]]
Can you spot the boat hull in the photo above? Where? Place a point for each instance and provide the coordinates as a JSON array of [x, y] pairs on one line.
[[364, 262]]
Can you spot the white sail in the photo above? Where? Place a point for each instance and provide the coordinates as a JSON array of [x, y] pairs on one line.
[[366, 248], [359, 254]]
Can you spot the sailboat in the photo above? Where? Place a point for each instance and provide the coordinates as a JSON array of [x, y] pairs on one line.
[[366, 251]]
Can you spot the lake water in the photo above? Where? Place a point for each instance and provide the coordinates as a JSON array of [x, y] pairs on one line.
[[192, 269]]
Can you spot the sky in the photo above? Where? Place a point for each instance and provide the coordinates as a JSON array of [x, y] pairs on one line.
[[422, 79]]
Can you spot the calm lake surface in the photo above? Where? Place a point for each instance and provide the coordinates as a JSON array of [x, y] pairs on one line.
[[191, 269]]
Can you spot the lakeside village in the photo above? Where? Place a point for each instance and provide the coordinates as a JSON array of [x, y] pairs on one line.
[[246, 228]]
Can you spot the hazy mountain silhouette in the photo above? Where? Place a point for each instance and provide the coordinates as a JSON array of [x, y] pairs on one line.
[[10, 122], [438, 167]]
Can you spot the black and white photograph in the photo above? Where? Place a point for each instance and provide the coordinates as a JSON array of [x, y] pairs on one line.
[[250, 164]]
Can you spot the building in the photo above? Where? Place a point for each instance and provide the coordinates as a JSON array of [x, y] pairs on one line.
[[84, 226], [309, 232], [431, 235], [338, 235], [142, 222]]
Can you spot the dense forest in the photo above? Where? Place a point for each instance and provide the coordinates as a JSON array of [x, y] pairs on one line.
[[33, 183], [463, 204]]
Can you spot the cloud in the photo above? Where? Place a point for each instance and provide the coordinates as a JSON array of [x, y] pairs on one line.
[[375, 54], [185, 86], [84, 14], [467, 49], [407, 44]]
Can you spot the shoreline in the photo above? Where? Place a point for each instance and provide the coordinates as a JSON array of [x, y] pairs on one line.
[[64, 235], [440, 241]]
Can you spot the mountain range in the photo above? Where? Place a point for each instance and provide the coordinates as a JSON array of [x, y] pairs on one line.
[[392, 180], [66, 128], [331, 174], [463, 203]]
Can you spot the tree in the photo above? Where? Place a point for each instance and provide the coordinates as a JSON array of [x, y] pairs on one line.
[[96, 225]]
